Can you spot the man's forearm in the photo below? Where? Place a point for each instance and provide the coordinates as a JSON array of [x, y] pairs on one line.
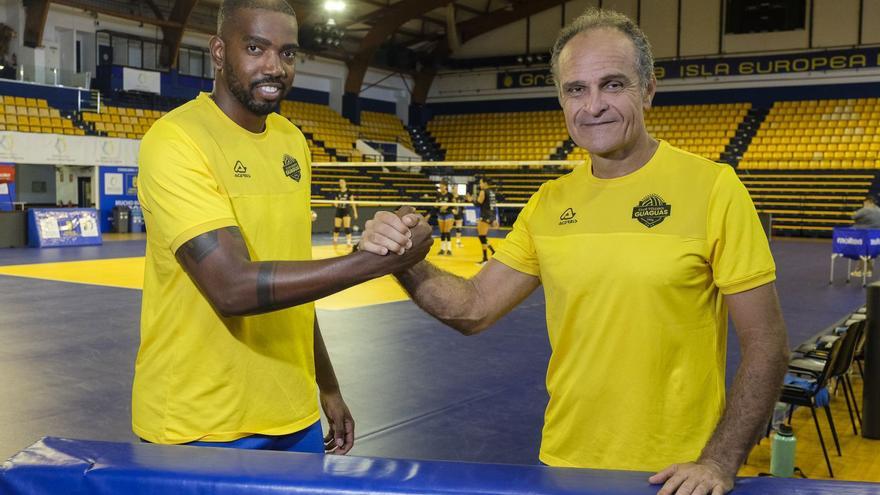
[[755, 390], [324, 374], [283, 284], [220, 264], [271, 285], [451, 299]]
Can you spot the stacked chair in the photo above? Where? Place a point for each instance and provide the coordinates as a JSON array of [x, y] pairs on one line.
[[815, 365]]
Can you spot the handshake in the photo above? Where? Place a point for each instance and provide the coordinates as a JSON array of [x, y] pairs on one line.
[[403, 233]]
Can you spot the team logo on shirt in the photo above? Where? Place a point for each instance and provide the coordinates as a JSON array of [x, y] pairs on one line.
[[567, 217], [291, 168], [651, 210], [240, 170]]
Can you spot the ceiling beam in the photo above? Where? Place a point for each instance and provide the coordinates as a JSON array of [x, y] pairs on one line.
[[77, 4], [476, 26], [465, 8], [390, 21], [472, 28], [155, 8], [172, 36], [35, 13], [383, 7]]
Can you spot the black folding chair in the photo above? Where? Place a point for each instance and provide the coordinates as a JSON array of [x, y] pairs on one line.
[[806, 389]]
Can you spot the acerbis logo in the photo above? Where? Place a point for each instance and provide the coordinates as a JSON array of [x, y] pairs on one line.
[[651, 210], [240, 170], [567, 217]]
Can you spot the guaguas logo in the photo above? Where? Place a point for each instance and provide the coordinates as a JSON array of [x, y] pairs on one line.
[[651, 210]]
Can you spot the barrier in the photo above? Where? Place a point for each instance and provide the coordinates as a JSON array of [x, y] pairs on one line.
[[73, 467], [60, 227]]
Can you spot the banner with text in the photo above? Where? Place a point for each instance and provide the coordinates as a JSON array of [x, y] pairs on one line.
[[790, 63]]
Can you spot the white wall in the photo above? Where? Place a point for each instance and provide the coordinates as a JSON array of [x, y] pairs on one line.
[[511, 39], [626, 7], [576, 8], [660, 24], [844, 13], [507, 40], [700, 20], [836, 24], [870, 21]]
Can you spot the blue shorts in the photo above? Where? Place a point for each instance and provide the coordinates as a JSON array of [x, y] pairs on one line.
[[444, 216], [309, 440]]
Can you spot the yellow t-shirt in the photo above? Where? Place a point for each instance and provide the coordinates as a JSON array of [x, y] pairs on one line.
[[634, 269], [200, 376]]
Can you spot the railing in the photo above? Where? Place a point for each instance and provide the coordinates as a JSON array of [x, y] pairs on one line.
[[54, 76]]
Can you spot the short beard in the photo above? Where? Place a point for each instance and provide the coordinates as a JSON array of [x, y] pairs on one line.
[[244, 96]]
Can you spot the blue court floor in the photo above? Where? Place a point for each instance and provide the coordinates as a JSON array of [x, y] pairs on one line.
[[417, 389]]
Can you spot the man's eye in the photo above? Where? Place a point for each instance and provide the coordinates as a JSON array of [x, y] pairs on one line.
[[253, 48]]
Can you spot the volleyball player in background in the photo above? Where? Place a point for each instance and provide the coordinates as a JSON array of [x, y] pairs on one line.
[[485, 204], [344, 213], [458, 216], [445, 219]]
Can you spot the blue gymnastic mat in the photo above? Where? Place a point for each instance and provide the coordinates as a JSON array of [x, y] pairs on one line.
[[58, 465]]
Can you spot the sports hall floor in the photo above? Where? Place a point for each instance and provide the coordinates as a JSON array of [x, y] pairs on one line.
[[69, 335]]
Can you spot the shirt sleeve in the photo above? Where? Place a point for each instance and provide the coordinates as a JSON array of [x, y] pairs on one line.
[[177, 189], [860, 215], [739, 252], [518, 250]]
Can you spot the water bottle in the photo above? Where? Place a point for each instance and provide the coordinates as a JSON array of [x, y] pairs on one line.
[[779, 413], [782, 452]]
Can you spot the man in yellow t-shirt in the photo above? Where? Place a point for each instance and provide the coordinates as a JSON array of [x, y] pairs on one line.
[[231, 353], [641, 252]]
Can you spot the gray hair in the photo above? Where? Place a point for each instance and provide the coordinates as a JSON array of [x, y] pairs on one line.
[[594, 18], [229, 7]]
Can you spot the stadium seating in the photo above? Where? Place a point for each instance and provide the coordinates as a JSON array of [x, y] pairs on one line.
[[331, 136], [807, 203], [373, 184], [376, 126], [500, 136], [34, 115], [818, 134], [122, 122]]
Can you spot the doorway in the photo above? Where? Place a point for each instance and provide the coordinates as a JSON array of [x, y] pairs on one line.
[[84, 192]]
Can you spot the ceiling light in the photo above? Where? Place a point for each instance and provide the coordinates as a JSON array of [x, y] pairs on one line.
[[334, 6]]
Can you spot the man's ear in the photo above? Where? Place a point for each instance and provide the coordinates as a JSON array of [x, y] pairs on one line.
[[650, 91], [218, 51]]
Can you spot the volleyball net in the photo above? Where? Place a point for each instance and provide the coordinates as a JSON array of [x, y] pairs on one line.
[[389, 185]]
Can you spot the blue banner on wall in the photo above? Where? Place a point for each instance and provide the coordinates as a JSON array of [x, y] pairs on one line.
[[815, 61], [60, 227], [118, 187]]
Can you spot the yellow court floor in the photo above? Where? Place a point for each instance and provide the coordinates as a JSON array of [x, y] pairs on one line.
[[128, 273]]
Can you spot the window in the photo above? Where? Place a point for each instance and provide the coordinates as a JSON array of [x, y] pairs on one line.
[[763, 16]]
